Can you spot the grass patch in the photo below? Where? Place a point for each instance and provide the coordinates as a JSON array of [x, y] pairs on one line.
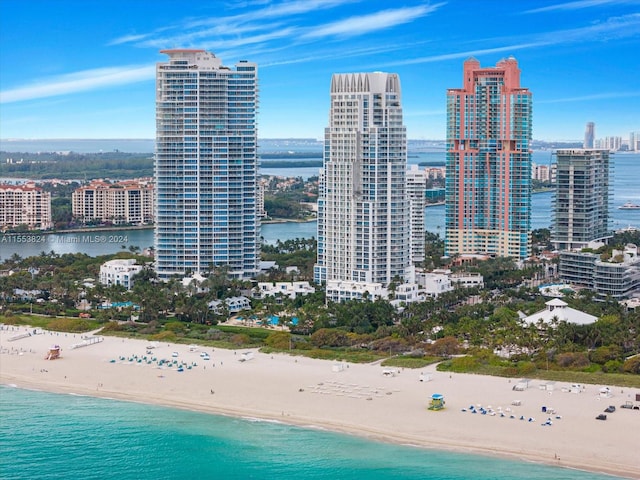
[[469, 364], [410, 362], [55, 324], [343, 355]]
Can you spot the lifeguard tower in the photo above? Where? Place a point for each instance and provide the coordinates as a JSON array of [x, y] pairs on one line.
[[437, 402], [54, 352]]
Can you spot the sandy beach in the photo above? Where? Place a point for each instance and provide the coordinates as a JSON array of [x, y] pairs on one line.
[[367, 400]]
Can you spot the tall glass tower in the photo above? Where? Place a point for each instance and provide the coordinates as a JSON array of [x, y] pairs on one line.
[[206, 165], [363, 210], [582, 199], [589, 135], [488, 184]]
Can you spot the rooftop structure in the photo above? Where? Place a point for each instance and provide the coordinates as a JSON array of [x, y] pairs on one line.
[[559, 311]]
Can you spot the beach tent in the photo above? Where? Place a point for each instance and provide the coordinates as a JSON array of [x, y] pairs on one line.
[[605, 392], [246, 356], [337, 367]]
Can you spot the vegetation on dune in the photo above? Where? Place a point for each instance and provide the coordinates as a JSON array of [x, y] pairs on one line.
[[465, 328]]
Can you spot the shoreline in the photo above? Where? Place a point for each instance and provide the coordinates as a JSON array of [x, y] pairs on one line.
[[353, 399]]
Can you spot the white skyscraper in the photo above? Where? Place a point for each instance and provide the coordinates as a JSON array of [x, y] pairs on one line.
[[363, 210], [416, 192], [206, 165]]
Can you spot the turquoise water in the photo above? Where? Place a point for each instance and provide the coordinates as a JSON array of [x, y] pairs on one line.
[[51, 436]]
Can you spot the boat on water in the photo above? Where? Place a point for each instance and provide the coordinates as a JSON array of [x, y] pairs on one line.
[[629, 206]]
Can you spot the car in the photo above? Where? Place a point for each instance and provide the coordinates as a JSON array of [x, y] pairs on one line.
[[610, 409], [602, 416], [628, 405]]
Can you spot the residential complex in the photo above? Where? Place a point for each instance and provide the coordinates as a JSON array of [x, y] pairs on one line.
[[542, 173], [363, 211], [616, 276], [126, 202], [119, 272], [488, 179], [206, 165], [582, 200], [24, 206]]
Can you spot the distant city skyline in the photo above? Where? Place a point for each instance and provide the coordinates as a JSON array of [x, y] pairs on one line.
[[74, 69]]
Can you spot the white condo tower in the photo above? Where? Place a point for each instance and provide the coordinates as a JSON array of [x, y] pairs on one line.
[[363, 210]]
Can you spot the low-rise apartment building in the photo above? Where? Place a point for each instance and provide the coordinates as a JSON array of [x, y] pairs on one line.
[[126, 202], [24, 205], [616, 277]]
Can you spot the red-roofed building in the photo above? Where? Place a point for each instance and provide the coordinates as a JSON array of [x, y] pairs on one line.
[[128, 201], [24, 205]]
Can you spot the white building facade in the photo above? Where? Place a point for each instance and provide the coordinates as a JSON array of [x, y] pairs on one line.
[[363, 210], [416, 192], [285, 289], [206, 165], [130, 201], [24, 205], [119, 272]]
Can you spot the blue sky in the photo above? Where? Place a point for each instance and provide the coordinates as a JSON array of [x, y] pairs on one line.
[[85, 69]]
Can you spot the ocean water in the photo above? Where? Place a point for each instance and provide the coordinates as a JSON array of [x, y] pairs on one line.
[[53, 436]]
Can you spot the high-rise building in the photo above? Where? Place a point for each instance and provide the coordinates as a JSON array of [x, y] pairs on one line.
[[582, 199], [416, 193], [612, 144], [206, 165], [589, 135], [488, 179], [634, 141], [363, 212]]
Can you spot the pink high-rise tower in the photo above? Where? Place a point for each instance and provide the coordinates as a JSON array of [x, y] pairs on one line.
[[488, 184]]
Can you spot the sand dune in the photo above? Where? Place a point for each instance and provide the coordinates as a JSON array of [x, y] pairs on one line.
[[366, 400]]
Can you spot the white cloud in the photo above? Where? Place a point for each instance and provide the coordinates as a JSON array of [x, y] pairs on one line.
[[127, 39], [578, 5], [466, 54], [79, 82], [372, 22], [218, 27], [612, 28]]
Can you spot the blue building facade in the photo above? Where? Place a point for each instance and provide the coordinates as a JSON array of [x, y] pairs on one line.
[[206, 166]]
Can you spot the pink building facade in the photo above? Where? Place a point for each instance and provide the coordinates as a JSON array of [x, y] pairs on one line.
[[488, 172]]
